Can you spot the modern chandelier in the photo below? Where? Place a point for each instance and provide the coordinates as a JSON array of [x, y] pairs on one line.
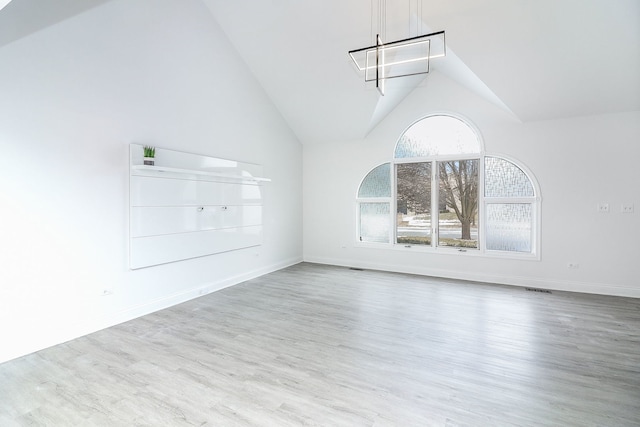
[[400, 58]]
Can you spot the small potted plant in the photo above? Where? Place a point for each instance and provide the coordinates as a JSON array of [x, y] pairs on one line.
[[149, 154]]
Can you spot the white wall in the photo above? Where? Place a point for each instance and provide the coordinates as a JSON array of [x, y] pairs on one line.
[[578, 163], [73, 97]]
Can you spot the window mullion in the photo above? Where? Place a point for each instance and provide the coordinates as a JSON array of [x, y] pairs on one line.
[[435, 204], [393, 232], [481, 205]]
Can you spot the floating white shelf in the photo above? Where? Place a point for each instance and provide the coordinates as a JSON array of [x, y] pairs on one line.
[[161, 169]]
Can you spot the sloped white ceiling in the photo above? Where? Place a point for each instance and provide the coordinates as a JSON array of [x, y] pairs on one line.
[[19, 18], [542, 59], [551, 59], [539, 60]]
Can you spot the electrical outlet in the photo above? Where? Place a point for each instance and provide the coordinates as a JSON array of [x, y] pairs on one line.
[[627, 208], [603, 207], [573, 265]]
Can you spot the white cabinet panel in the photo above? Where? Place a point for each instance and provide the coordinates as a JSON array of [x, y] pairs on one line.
[[155, 250], [152, 191], [153, 221], [187, 206]]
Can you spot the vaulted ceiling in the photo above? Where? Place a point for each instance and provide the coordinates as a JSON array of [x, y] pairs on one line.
[[539, 60], [542, 59]]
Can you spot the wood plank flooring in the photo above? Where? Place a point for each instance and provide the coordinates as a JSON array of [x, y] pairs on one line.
[[328, 346]]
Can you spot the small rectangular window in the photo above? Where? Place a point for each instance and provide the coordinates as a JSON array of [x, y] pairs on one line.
[[413, 215]]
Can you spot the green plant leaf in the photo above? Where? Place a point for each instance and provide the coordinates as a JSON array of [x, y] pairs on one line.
[[149, 151]]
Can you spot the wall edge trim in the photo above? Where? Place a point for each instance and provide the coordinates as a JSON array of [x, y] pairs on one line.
[[520, 281], [149, 307]]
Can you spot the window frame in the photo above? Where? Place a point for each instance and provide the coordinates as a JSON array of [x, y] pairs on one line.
[[480, 159], [358, 234], [369, 199], [435, 199], [482, 251], [435, 159], [536, 211], [394, 203], [480, 156]]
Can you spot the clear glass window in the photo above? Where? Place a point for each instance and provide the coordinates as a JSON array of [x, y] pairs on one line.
[[413, 203], [458, 207]]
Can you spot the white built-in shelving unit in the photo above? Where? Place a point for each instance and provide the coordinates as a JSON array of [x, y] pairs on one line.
[[189, 205]]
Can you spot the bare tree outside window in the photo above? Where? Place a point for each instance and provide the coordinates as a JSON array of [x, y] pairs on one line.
[[413, 181], [458, 182], [436, 194]]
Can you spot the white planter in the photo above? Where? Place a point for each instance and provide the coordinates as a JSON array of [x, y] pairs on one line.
[[149, 161]]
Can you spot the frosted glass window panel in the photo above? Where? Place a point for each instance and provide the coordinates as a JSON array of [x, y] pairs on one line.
[[437, 135], [509, 226], [374, 222], [377, 183], [413, 201], [504, 179]]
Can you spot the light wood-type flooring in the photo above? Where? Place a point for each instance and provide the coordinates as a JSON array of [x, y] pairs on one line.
[[330, 346]]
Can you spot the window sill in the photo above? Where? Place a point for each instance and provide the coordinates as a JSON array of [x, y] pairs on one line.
[[449, 251]]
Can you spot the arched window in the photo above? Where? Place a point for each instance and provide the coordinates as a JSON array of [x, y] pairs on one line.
[[437, 136], [442, 192], [510, 207], [374, 206]]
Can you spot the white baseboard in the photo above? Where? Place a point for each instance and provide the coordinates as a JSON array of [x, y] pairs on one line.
[[134, 312], [15, 350], [535, 282]]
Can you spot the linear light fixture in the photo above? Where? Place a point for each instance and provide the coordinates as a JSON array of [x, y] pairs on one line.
[[400, 58]]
